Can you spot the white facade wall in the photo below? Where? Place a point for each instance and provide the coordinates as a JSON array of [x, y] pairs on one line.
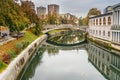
[[116, 24], [95, 29]]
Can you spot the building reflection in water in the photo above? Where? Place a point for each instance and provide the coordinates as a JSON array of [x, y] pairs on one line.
[[106, 61]]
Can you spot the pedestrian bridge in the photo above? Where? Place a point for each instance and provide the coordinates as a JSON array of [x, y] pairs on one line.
[[53, 27]]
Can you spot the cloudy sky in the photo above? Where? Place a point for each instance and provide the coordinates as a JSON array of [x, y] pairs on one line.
[[77, 7]]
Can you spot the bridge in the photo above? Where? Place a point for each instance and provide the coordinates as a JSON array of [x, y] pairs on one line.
[[48, 28]]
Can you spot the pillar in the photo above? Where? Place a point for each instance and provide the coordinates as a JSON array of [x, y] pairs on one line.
[[112, 36], [115, 17], [115, 37], [119, 17], [119, 37]]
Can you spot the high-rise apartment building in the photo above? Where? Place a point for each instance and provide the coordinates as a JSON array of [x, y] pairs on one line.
[[53, 9], [41, 10]]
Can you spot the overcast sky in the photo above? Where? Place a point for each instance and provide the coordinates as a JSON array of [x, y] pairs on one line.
[[77, 7]]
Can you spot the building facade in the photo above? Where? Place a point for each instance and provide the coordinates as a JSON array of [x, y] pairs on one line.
[[53, 9], [115, 29], [100, 26], [41, 10], [69, 18], [106, 26]]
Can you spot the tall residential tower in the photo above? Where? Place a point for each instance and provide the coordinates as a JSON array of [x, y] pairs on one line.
[[53, 9]]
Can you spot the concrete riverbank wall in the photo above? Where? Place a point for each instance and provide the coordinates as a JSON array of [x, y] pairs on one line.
[[17, 65], [104, 43]]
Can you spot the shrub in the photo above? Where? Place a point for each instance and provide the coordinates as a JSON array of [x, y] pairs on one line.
[[25, 44], [19, 46], [12, 53], [6, 58]]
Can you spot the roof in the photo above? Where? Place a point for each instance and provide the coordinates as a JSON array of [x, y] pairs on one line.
[[116, 5], [101, 15], [2, 28]]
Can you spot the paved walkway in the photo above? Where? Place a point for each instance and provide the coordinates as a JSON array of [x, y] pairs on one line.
[[4, 41]]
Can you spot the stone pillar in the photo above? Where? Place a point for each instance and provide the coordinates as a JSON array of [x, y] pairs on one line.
[[112, 36], [119, 17], [116, 17], [113, 18], [115, 37], [119, 37]]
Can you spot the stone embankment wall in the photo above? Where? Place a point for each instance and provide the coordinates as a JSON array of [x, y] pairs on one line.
[[17, 65]]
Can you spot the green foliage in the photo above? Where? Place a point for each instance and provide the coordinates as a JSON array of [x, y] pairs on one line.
[[12, 54], [80, 21], [52, 19], [25, 44], [19, 46], [11, 15], [2, 65]]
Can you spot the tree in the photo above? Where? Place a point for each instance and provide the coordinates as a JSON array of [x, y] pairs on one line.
[[11, 15], [52, 19], [93, 11], [32, 16], [80, 21]]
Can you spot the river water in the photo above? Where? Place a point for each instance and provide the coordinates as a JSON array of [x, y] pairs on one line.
[[82, 62], [86, 61]]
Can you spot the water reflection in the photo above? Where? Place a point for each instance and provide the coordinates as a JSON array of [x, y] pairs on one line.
[[62, 63], [36, 61], [67, 37], [84, 61], [107, 62]]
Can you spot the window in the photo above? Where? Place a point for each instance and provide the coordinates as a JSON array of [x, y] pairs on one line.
[[100, 22], [109, 21], [103, 33], [99, 32], [104, 21], [96, 31], [108, 33], [96, 21], [93, 31], [91, 22]]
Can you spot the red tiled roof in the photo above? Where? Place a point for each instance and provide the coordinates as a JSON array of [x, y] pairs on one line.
[[2, 28]]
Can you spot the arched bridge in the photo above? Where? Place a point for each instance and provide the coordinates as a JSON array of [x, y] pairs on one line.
[[48, 28]]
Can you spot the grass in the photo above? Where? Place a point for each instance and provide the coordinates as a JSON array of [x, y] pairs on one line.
[[56, 31], [6, 48], [2, 66]]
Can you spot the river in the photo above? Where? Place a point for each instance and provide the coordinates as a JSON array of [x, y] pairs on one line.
[[86, 61]]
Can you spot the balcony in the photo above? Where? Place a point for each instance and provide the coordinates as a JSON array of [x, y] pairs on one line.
[[115, 27]]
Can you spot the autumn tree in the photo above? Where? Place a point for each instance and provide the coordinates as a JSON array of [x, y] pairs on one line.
[[80, 21], [93, 11], [11, 15], [52, 18], [30, 13]]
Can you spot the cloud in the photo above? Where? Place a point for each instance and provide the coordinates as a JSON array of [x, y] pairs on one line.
[[77, 7]]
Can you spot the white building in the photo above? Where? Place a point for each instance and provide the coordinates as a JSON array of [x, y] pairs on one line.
[[115, 29], [106, 26], [100, 26]]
